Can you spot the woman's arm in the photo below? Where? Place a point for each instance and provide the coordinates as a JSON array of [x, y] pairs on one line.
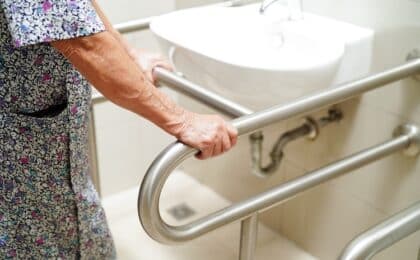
[[146, 60], [104, 61]]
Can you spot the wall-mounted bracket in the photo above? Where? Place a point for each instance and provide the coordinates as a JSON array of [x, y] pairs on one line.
[[412, 55], [412, 131]]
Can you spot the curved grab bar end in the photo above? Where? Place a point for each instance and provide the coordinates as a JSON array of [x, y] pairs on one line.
[[147, 201]]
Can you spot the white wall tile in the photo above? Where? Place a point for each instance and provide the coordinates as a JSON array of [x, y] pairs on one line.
[[125, 10], [333, 219], [322, 220]]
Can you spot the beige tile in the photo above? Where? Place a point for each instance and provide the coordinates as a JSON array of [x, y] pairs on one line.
[[294, 212], [387, 185], [391, 48], [126, 146], [333, 219], [282, 250], [133, 243], [408, 248]]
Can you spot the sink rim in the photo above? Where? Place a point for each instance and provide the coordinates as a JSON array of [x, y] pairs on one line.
[[334, 51]]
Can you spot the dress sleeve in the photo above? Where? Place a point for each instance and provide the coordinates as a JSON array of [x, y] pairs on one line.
[[38, 21]]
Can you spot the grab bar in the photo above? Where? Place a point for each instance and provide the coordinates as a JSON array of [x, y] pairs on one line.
[[173, 155], [134, 25], [374, 240], [205, 96], [148, 203], [151, 187]]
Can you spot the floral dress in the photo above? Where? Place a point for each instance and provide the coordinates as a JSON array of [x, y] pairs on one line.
[[49, 208]]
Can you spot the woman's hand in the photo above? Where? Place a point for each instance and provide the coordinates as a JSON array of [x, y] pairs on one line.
[[211, 134], [125, 77], [147, 61]]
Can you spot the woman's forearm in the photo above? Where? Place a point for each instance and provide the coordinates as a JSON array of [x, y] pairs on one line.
[[106, 64], [124, 76]]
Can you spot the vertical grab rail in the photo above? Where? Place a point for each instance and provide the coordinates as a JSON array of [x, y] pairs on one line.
[[385, 234]]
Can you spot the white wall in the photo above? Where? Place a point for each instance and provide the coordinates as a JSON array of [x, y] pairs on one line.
[[180, 4], [126, 143], [324, 219], [125, 10]]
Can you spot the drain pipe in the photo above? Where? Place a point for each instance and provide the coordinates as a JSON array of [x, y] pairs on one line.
[[309, 129], [228, 107]]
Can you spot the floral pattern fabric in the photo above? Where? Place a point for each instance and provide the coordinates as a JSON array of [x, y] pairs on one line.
[[49, 208]]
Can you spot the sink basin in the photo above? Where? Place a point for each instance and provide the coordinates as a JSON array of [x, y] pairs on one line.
[[260, 60]]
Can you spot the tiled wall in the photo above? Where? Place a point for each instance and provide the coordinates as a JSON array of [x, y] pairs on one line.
[[126, 143], [324, 219]]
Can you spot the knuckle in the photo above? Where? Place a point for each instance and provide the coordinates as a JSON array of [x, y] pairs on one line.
[[220, 127], [208, 140]]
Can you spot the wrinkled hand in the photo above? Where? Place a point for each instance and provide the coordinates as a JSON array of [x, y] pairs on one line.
[[147, 61], [211, 134]]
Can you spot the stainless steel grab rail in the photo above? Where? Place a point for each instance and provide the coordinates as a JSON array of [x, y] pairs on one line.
[[148, 202], [135, 25], [172, 156], [200, 93], [212, 99], [385, 234]]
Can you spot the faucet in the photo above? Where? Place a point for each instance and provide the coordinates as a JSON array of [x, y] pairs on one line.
[[294, 6], [265, 4]]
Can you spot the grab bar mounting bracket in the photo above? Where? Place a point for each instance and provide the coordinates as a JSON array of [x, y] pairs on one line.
[[412, 131], [412, 55]]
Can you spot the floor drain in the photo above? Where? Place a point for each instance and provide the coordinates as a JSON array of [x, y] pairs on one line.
[[181, 212]]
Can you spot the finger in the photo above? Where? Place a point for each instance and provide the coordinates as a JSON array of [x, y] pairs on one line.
[[163, 64], [205, 153], [233, 134], [226, 143], [218, 147], [151, 77]]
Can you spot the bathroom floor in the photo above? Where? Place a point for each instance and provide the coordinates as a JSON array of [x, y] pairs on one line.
[[181, 202]]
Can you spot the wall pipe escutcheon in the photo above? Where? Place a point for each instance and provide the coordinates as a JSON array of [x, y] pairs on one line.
[[385, 234], [172, 156]]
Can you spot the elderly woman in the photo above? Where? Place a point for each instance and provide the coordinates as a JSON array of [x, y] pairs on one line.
[[48, 206]]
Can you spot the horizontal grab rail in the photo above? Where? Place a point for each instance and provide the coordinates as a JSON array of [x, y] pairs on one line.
[[134, 25], [173, 155], [221, 104], [158, 173], [374, 240], [205, 96], [200, 93]]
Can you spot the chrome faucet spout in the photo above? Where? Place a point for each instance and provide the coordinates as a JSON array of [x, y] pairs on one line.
[[265, 4], [294, 8]]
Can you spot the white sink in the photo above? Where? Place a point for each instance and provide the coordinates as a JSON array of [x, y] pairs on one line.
[[241, 54]]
